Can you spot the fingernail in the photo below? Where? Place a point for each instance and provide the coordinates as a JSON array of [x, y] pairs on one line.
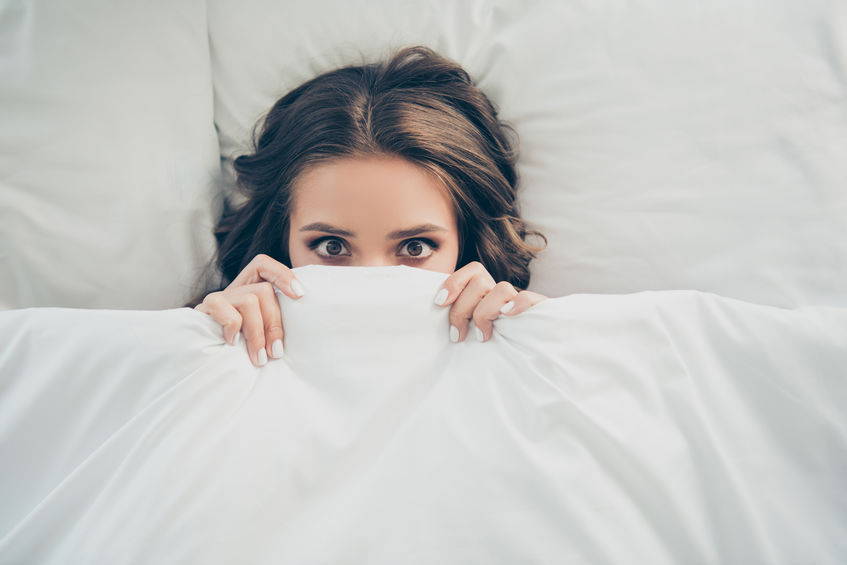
[[454, 333], [236, 339], [263, 357], [507, 306], [276, 349], [297, 288], [479, 334], [441, 297]]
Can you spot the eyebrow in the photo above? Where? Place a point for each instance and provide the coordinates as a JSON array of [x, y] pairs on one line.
[[398, 234]]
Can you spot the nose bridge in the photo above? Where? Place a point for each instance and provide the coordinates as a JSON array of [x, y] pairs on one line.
[[376, 260], [374, 253]]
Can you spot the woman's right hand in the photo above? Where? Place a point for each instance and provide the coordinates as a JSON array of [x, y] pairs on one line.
[[249, 305]]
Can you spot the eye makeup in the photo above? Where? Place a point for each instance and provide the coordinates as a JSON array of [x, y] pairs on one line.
[[315, 243]]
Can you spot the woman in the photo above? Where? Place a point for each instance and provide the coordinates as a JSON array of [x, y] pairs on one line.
[[400, 162]]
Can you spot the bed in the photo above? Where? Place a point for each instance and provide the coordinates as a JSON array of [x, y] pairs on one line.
[[678, 399]]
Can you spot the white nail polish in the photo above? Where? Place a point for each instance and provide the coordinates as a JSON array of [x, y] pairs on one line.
[[479, 334], [263, 357], [454, 333], [507, 307], [276, 349], [441, 297], [297, 288]]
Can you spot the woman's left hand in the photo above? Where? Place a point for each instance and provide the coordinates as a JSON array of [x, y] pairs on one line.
[[477, 301]]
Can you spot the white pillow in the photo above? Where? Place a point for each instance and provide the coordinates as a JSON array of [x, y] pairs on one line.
[[108, 153], [665, 145]]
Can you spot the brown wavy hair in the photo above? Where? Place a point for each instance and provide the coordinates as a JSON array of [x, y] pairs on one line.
[[416, 104]]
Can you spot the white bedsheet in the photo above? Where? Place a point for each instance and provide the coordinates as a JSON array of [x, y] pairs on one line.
[[655, 427]]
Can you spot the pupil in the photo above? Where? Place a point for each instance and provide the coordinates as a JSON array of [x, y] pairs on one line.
[[415, 248], [333, 244]]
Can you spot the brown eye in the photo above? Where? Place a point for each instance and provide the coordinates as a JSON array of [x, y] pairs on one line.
[[414, 248], [418, 248], [332, 248]]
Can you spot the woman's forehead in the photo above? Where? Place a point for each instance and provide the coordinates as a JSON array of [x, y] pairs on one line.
[[375, 189]]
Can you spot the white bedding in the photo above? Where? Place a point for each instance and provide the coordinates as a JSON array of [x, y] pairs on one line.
[[654, 427]]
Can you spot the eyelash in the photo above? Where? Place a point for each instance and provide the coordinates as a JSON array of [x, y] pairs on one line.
[[314, 244]]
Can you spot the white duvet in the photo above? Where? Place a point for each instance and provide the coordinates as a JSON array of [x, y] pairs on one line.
[[649, 428]]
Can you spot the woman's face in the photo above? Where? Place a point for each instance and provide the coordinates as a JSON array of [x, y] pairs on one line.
[[351, 211]]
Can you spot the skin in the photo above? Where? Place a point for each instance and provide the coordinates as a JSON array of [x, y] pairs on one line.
[[369, 197]]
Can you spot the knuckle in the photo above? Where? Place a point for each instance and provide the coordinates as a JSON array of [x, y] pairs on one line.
[[483, 285], [250, 299], [270, 276], [459, 319], [263, 261], [486, 318], [273, 329], [215, 302], [267, 263], [256, 337], [212, 296], [505, 285], [232, 321], [266, 287]]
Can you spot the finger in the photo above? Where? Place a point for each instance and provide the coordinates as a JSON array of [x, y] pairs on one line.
[[463, 307], [265, 268], [488, 308], [271, 314], [271, 317], [224, 313], [523, 301], [252, 327], [249, 274], [458, 280], [281, 277]]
